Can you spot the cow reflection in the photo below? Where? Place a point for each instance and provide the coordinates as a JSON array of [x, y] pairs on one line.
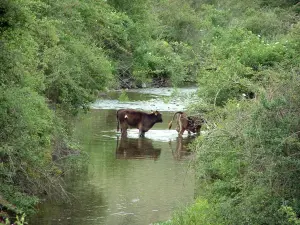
[[140, 148], [181, 151]]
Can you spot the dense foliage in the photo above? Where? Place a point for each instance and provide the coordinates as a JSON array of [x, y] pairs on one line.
[[248, 162], [56, 56]]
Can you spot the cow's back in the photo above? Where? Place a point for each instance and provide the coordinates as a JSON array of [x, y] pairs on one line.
[[131, 117]]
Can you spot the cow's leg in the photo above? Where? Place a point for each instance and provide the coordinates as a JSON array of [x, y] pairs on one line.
[[177, 129], [124, 128], [177, 123], [142, 133], [180, 124], [141, 130], [181, 132]]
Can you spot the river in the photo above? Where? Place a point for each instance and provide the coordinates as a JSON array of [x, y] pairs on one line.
[[128, 180]]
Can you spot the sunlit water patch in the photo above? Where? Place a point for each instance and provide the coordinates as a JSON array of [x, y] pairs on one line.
[[165, 91], [155, 135], [154, 104], [128, 180], [155, 99]]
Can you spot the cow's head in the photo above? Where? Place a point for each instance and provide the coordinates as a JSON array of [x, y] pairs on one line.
[[195, 124], [158, 116]]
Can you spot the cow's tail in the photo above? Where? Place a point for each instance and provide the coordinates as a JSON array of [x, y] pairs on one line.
[[170, 124], [118, 122]]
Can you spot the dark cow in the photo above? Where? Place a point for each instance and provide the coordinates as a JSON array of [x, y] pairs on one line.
[[190, 123], [137, 119]]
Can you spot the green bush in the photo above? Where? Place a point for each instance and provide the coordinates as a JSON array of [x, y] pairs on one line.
[[249, 161], [160, 59], [26, 132]]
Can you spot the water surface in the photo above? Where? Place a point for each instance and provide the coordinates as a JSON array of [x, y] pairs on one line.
[[129, 180]]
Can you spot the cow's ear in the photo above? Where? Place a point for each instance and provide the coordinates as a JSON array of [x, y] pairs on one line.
[[152, 111], [156, 113]]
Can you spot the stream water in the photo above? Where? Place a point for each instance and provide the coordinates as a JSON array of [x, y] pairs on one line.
[[129, 180]]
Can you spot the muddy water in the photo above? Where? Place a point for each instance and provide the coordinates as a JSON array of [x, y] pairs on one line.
[[129, 180]]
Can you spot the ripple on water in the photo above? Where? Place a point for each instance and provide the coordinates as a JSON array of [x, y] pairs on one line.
[[156, 104], [164, 91], [135, 200], [183, 96], [122, 213], [154, 135]]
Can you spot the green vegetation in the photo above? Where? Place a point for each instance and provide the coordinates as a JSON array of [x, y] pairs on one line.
[[123, 96], [56, 56], [248, 164]]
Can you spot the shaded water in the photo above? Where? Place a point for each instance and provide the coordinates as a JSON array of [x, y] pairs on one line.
[[129, 180]]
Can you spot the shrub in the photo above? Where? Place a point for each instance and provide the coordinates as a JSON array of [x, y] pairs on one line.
[[25, 153], [247, 164]]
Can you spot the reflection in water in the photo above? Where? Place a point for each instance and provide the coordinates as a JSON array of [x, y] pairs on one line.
[[181, 151], [123, 192], [140, 148]]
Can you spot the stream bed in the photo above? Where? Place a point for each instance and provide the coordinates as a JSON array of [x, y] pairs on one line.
[[128, 180]]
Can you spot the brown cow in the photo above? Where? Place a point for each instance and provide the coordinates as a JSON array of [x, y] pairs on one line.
[[137, 119], [189, 123]]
